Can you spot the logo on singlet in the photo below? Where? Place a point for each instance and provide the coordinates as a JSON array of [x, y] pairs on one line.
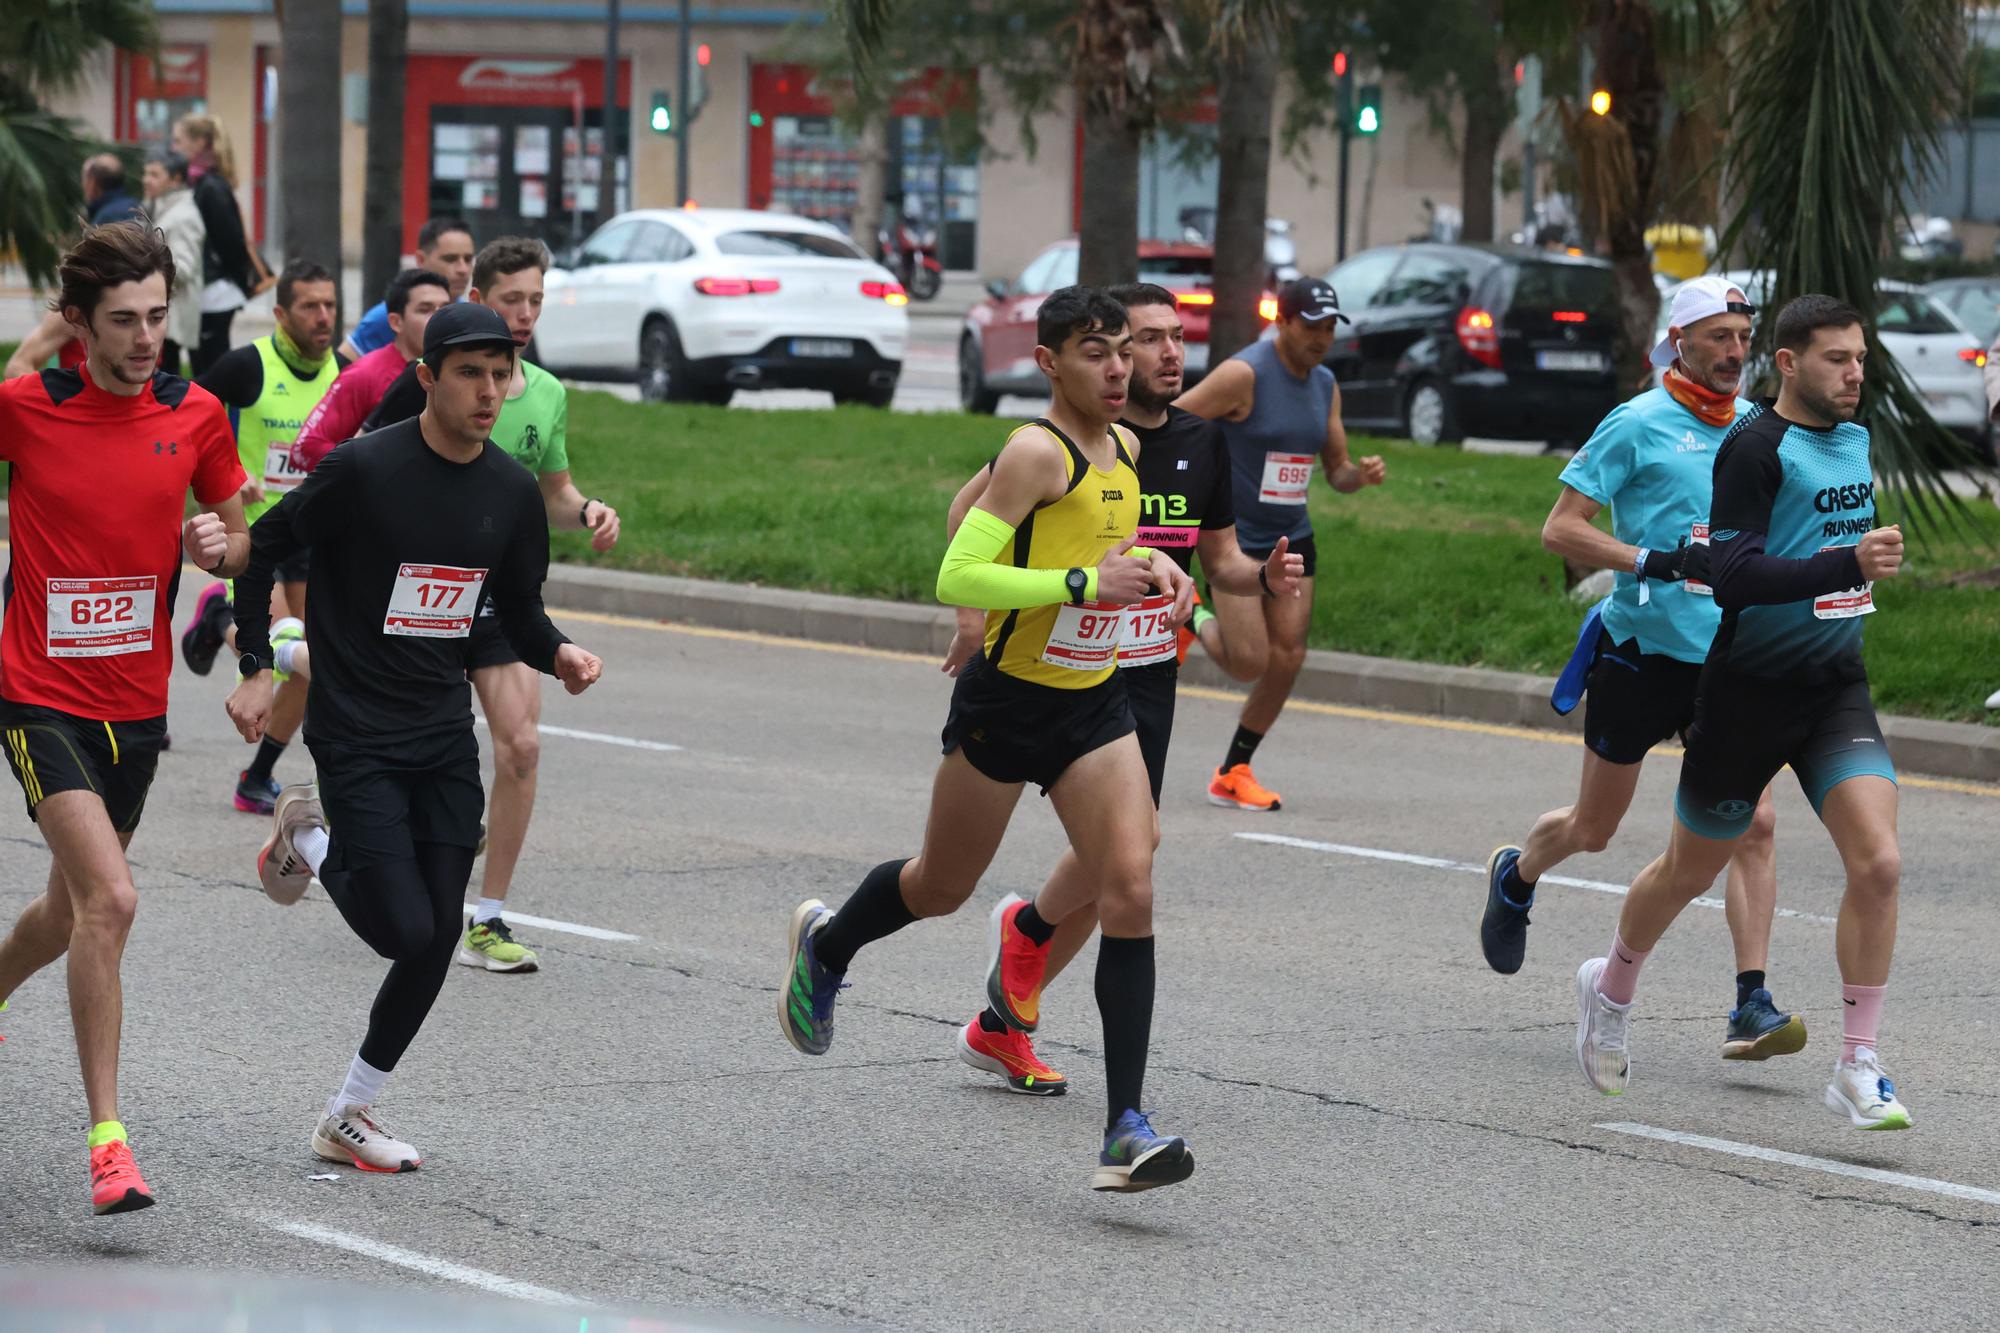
[[1109, 496]]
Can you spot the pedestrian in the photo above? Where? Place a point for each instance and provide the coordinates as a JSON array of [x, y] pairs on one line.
[[231, 271], [174, 211]]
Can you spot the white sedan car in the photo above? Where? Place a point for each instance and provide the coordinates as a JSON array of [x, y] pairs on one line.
[[695, 304]]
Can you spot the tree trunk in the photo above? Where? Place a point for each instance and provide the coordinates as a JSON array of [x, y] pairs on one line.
[[1485, 122], [1242, 195], [1628, 67], [309, 131], [871, 183], [382, 200], [1108, 234]]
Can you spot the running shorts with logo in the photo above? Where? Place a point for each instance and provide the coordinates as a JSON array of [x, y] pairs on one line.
[[1746, 729], [1636, 700], [1014, 730], [52, 751]]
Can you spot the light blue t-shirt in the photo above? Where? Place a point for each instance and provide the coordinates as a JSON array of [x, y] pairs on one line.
[[372, 331], [1652, 463]]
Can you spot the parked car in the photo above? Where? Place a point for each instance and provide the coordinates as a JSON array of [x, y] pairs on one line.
[[996, 347], [696, 304], [1973, 302], [1492, 340]]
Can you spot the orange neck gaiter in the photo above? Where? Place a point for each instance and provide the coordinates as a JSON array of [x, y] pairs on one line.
[[1717, 409]]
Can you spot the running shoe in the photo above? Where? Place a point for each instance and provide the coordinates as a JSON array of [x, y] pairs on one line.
[[805, 1001], [1012, 1056], [1238, 787], [1014, 977], [1757, 1031], [489, 944], [356, 1136], [202, 639], [115, 1183], [1135, 1158], [1503, 930], [1600, 1033], [280, 869], [256, 796], [1863, 1093]]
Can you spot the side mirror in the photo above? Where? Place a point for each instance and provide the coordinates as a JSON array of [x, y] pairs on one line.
[[996, 288]]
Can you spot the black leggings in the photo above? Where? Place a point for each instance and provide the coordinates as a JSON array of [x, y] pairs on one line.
[[411, 912]]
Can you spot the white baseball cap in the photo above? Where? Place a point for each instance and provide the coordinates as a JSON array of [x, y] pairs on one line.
[[1696, 300]]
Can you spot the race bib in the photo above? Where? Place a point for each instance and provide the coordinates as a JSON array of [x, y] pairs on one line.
[[1696, 586], [1845, 604], [101, 617], [1147, 633], [1084, 638], [279, 473], [433, 601], [1286, 477]]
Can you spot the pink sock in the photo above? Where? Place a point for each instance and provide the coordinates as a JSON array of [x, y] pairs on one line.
[[1620, 978], [1860, 1013]]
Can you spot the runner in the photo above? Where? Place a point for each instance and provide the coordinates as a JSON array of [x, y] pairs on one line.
[[1280, 411], [1042, 702], [414, 295], [534, 428], [406, 526], [101, 459], [270, 385], [1795, 552], [444, 247], [1652, 462], [1184, 507]]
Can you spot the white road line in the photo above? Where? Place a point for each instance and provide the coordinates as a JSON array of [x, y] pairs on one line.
[[1439, 863], [565, 927], [602, 738], [423, 1263], [1833, 1168]]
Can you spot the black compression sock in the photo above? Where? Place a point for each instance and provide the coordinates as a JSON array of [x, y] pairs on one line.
[[267, 758], [1125, 1003], [1745, 983], [1241, 748], [1513, 888], [990, 1021], [1029, 922], [876, 909]]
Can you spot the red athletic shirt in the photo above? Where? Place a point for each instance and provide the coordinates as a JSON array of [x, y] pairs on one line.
[[96, 493], [354, 394]]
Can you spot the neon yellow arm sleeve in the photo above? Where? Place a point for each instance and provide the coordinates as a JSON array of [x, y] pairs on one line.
[[969, 576]]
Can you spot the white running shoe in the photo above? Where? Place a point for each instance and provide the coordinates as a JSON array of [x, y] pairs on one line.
[[282, 871], [1600, 1033], [1863, 1093], [357, 1137]]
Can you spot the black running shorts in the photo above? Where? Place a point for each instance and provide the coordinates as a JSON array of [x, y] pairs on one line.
[[1150, 691], [1304, 546], [1636, 700], [487, 645], [1018, 731], [381, 803], [52, 751]]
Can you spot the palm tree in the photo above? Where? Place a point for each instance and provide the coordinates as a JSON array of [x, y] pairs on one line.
[[45, 46], [309, 78], [1243, 42], [382, 190]]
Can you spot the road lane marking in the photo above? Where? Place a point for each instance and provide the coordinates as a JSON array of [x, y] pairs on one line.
[[1874, 1175], [602, 738], [566, 927], [423, 1263], [1440, 863]]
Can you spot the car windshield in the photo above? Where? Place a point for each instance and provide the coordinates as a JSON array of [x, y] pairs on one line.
[[1562, 287], [786, 245], [1911, 312]]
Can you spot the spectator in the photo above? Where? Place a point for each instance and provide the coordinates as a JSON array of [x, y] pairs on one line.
[[229, 268], [175, 212], [104, 194]]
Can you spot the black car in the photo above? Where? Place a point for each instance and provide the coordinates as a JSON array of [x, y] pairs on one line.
[[1455, 340]]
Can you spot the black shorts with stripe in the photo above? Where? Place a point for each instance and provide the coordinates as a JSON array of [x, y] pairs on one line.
[[51, 751]]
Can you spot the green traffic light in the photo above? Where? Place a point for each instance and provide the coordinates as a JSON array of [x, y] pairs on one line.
[[663, 120], [1368, 109], [756, 120], [1368, 122]]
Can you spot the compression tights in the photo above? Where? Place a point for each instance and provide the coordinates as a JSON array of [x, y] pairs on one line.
[[411, 912]]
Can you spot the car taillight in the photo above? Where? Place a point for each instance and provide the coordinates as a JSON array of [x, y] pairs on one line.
[[1478, 335], [1267, 309], [892, 292], [1973, 355], [1195, 298], [735, 286], [1571, 317]]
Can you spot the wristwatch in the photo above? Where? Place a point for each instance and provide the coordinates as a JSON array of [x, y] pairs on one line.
[[1077, 581], [249, 664]]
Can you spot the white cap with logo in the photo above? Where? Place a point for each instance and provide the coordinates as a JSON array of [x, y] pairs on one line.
[[1695, 300]]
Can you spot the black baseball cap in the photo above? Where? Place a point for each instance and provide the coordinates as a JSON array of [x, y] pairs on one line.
[[1302, 298], [465, 324]]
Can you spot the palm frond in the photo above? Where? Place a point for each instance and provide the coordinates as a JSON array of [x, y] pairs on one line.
[[41, 198], [46, 45]]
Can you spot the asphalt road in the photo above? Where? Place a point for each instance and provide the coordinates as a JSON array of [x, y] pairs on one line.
[[1387, 1133]]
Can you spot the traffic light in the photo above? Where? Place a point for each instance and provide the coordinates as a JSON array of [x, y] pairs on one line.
[[662, 118], [1340, 64], [697, 89], [1368, 109], [1600, 101]]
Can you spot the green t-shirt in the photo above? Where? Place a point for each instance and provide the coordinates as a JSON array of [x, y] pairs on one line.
[[534, 428]]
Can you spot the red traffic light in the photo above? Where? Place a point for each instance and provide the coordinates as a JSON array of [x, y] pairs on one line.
[[701, 54], [1340, 64]]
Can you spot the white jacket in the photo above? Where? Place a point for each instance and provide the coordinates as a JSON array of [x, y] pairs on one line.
[[175, 214]]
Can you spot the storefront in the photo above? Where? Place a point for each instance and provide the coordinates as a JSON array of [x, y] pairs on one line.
[[153, 92]]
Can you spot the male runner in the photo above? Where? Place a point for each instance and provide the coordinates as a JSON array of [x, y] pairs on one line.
[[413, 529], [444, 247], [270, 385], [101, 459], [414, 295], [1046, 552], [1795, 552], [1280, 411], [1184, 507], [534, 428], [1652, 461]]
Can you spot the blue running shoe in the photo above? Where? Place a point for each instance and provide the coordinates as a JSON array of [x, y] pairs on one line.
[[1135, 1158], [1757, 1031], [1503, 930], [805, 1001]]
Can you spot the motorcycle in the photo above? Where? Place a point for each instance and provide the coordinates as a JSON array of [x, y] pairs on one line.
[[912, 256]]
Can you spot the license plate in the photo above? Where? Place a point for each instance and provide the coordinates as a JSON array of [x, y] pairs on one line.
[[822, 347], [1569, 361]]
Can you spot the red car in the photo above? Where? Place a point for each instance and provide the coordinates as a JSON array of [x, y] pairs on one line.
[[996, 350]]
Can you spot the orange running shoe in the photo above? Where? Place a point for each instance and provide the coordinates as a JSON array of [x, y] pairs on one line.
[[1014, 981], [1012, 1056], [115, 1183], [1238, 787]]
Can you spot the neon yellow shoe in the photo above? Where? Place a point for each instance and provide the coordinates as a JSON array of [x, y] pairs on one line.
[[490, 945]]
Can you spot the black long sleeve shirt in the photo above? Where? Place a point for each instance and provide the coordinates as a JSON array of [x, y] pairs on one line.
[[406, 547]]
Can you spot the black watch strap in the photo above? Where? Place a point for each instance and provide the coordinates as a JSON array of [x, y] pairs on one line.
[[1078, 582]]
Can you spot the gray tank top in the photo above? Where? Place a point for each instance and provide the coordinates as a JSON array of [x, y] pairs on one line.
[[1274, 451]]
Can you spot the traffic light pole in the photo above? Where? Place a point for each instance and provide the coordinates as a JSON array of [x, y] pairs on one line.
[[607, 183], [681, 97], [1346, 137]]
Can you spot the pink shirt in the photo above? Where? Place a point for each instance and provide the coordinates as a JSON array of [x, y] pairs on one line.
[[354, 394]]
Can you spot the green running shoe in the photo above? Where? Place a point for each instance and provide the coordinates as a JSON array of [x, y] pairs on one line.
[[489, 944]]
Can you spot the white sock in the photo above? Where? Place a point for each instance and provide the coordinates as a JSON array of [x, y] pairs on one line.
[[285, 653], [311, 845], [363, 1086], [488, 910]]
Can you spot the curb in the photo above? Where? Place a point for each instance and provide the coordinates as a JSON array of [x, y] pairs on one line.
[[1918, 745]]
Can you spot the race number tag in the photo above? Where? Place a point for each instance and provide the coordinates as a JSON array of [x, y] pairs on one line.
[[433, 601], [101, 617], [1147, 635], [1085, 638], [1696, 586], [1846, 604], [279, 474], [1286, 477]]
